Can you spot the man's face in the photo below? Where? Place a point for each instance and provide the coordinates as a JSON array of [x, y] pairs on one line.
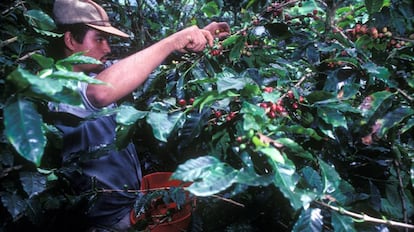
[[95, 44]]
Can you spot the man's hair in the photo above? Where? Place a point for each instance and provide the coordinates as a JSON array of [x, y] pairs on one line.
[[56, 46]]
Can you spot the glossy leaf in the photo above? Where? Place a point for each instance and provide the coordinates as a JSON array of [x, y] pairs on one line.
[[392, 119], [44, 62], [332, 117], [286, 178], [208, 174], [14, 204], [310, 220], [300, 130], [251, 178], [342, 223], [45, 87], [313, 179], [77, 58], [294, 148], [40, 19], [374, 6], [253, 116], [228, 80], [236, 50], [391, 205], [210, 9], [33, 183], [330, 177], [23, 129], [374, 102], [194, 124], [381, 73], [231, 40], [77, 76], [407, 126], [273, 154], [128, 115], [412, 174], [163, 124], [248, 176]]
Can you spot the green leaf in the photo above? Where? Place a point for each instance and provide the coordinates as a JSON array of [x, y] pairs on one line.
[[407, 126], [271, 97], [210, 9], [210, 97], [206, 99], [254, 116], [248, 176], [412, 172], [231, 40], [332, 117], [286, 178], [330, 177], [410, 82], [236, 50], [47, 33], [39, 19], [248, 108], [391, 205], [345, 193], [252, 122], [374, 6], [208, 174], [376, 102], [44, 62], [33, 183], [381, 73], [128, 115], [76, 58], [317, 96], [392, 119], [273, 153], [45, 88], [342, 223], [14, 203], [340, 106], [300, 130], [77, 76], [229, 80], [123, 135], [294, 148], [23, 129], [310, 220], [163, 124], [313, 179]]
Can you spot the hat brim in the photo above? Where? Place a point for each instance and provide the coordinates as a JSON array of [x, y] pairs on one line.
[[110, 30]]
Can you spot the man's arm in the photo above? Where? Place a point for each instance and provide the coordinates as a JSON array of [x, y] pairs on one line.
[[127, 74]]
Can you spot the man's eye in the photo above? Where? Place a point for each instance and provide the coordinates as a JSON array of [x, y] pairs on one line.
[[101, 39]]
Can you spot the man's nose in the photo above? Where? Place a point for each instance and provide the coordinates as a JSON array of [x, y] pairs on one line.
[[106, 47]]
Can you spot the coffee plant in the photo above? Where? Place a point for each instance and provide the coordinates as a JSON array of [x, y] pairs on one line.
[[301, 120]]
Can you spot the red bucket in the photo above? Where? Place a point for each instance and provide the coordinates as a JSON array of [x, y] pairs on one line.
[[180, 219]]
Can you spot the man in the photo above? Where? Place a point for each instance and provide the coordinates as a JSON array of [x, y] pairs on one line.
[[86, 28]]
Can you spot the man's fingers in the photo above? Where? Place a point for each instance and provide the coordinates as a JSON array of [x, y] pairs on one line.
[[209, 37], [224, 27]]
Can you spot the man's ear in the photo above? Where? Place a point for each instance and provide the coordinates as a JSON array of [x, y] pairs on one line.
[[69, 40]]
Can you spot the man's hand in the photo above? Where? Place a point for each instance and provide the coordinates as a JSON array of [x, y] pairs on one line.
[[218, 29], [192, 39]]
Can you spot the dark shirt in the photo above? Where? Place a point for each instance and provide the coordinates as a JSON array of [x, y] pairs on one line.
[[114, 170]]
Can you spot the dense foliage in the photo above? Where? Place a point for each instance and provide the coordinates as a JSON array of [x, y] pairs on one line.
[[303, 116]]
